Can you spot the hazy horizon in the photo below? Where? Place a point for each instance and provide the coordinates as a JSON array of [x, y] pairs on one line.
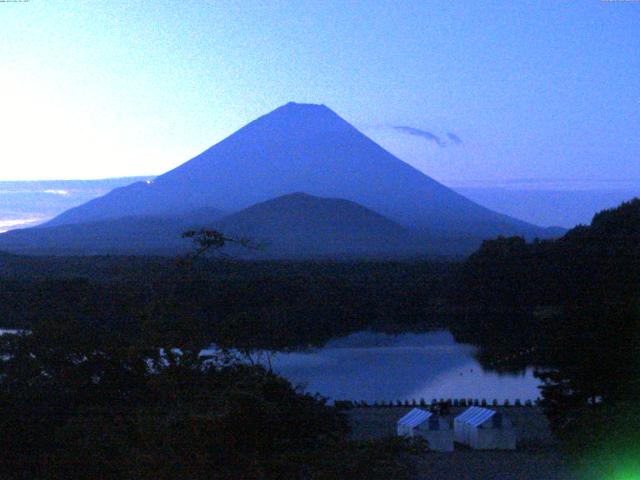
[[26, 203]]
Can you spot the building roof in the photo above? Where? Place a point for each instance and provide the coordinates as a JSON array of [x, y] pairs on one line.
[[414, 418], [475, 416]]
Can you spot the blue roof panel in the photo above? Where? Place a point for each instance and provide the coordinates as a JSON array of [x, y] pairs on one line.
[[475, 416], [414, 418]]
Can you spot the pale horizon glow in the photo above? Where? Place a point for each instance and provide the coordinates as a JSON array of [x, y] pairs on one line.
[[532, 91]]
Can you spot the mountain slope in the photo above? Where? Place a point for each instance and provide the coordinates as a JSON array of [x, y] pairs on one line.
[[309, 148], [138, 234]]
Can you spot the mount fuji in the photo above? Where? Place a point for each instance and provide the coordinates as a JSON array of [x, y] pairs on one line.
[[295, 148]]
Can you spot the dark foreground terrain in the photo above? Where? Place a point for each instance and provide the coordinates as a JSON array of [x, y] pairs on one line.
[[474, 465]]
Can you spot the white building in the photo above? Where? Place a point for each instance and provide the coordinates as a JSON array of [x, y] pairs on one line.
[[433, 428], [484, 429]]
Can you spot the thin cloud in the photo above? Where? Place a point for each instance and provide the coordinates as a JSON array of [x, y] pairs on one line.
[[454, 138], [62, 193], [421, 133]]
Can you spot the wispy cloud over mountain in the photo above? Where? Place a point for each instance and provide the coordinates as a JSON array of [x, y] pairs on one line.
[[429, 136], [421, 133], [454, 138]]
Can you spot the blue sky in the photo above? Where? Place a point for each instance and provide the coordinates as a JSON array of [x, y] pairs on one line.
[[534, 90]]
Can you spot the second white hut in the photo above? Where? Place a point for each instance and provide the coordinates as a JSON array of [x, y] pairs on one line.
[[484, 429], [433, 428]]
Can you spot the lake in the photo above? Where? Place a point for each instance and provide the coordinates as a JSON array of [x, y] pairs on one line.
[[410, 366], [375, 367]]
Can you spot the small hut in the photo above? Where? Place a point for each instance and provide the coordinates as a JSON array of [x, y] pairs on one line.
[[433, 428], [484, 429]]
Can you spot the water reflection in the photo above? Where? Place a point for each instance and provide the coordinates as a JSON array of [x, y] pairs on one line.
[[375, 367]]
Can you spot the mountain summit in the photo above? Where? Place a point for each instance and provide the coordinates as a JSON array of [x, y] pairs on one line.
[[304, 148]]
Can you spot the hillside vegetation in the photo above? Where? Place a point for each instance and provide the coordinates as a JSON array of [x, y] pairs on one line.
[[572, 306]]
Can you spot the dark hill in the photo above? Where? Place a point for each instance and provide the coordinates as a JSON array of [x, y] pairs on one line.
[[301, 225]]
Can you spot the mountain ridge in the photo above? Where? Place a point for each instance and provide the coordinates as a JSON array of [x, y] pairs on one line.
[[296, 225]]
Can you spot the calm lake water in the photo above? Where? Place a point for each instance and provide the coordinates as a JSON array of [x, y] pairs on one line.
[[375, 367]]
